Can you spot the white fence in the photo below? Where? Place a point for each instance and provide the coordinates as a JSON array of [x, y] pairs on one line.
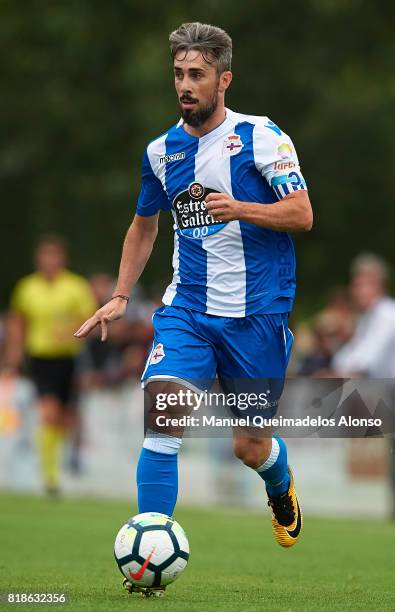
[[333, 476]]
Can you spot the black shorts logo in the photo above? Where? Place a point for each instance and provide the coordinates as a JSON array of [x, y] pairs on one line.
[[190, 213]]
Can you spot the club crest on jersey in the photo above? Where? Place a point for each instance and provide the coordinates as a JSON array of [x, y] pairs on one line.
[[190, 214], [157, 354], [232, 145]]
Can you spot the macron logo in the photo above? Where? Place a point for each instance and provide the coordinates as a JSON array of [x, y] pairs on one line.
[[172, 157]]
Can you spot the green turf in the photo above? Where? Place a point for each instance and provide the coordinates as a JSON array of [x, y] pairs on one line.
[[234, 565]]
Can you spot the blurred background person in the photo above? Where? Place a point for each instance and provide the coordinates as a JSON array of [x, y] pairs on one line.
[[326, 336], [17, 395], [317, 341], [370, 352], [98, 362], [112, 363], [45, 307]]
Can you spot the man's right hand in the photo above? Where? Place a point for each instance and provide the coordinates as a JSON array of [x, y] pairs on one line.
[[114, 309]]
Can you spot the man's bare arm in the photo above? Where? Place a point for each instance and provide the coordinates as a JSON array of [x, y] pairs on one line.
[[137, 248], [291, 214], [14, 349]]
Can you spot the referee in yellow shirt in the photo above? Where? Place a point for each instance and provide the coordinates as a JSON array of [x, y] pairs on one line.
[[46, 307]]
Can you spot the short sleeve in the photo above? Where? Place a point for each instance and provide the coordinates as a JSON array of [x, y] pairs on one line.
[[276, 159], [18, 298], [86, 302], [152, 197]]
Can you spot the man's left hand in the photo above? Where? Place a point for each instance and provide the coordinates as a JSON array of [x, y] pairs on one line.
[[222, 207]]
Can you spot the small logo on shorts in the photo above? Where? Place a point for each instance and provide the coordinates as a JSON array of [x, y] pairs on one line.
[[157, 354]]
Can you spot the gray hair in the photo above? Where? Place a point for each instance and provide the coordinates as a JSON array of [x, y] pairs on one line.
[[214, 44], [371, 263]]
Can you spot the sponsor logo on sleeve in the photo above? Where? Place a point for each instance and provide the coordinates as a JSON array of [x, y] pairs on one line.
[[284, 165], [284, 150]]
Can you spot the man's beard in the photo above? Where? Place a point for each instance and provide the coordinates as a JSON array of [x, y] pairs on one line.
[[196, 118]]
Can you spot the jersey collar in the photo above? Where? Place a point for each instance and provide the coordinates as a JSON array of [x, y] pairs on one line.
[[221, 129]]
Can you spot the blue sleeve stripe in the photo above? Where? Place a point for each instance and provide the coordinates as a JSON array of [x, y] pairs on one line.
[[276, 191], [282, 190], [152, 197]]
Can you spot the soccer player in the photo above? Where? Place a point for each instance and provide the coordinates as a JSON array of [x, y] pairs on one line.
[[233, 185], [45, 307]]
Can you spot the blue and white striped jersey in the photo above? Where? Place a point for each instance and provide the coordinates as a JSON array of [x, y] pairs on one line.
[[226, 269]]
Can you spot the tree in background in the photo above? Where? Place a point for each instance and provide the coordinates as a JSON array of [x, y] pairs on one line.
[[87, 84]]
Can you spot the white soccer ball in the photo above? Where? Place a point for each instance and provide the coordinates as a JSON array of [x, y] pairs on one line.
[[151, 550]]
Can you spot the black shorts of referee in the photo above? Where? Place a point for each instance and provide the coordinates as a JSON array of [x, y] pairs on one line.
[[54, 376]]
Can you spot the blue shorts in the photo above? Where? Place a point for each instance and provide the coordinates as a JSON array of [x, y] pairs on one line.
[[196, 348]]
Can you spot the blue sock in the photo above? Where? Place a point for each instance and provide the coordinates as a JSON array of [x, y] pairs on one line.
[[275, 469], [157, 481]]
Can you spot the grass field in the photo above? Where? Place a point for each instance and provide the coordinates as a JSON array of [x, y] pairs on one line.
[[66, 546]]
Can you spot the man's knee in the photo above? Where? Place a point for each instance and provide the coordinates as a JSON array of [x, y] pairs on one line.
[[163, 414], [252, 451], [51, 410]]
